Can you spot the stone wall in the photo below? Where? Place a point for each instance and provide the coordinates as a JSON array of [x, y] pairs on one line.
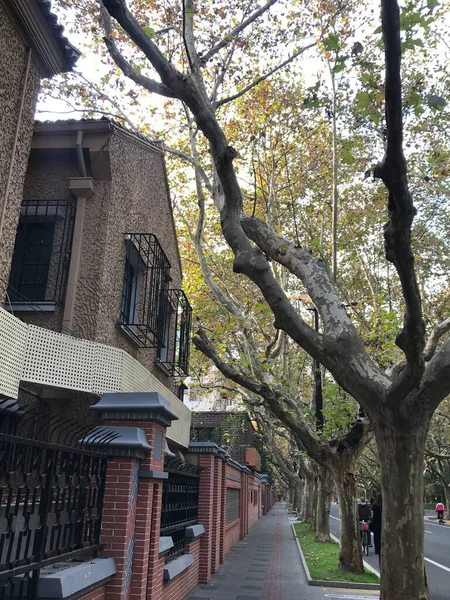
[[13, 61]]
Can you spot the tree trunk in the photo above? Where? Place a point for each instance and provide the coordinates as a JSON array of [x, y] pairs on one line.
[[313, 501], [323, 506], [299, 498], [350, 553], [308, 501], [402, 538], [447, 499]]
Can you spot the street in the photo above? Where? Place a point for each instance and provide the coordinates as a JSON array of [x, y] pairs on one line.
[[437, 554]]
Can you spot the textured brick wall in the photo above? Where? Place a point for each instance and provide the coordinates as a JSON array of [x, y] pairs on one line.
[[180, 587], [98, 593]]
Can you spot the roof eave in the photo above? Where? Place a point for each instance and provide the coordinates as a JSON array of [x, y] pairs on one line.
[[39, 27]]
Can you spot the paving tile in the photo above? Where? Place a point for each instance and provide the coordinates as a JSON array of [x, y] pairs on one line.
[[264, 566]]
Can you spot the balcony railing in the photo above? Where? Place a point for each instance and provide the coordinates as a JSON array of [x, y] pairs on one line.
[[174, 358]]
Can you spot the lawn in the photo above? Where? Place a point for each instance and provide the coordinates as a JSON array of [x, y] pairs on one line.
[[322, 559]]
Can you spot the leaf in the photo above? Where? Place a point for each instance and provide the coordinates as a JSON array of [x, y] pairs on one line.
[[331, 42], [436, 102], [362, 99], [149, 32]]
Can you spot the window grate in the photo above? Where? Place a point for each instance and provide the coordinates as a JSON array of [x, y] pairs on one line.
[[41, 258], [173, 355], [145, 290]]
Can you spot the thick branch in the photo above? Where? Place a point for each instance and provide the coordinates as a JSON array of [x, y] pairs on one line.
[[435, 336], [313, 273], [397, 231], [149, 84], [234, 32]]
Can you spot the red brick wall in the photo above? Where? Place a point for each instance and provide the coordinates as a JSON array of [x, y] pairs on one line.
[[97, 594], [254, 499], [180, 587], [232, 536]]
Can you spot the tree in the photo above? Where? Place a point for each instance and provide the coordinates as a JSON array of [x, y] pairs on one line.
[[400, 402]]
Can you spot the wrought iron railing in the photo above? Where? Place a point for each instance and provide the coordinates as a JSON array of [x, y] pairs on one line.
[[179, 504], [41, 259], [174, 356], [145, 290], [51, 502]]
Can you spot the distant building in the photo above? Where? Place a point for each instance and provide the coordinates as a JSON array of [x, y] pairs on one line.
[[233, 431]]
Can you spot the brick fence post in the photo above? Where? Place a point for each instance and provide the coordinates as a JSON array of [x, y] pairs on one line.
[[211, 460], [149, 414]]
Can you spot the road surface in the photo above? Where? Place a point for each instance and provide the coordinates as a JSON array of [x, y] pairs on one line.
[[437, 554]]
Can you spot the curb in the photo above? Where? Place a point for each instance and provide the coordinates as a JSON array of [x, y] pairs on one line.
[[351, 585]]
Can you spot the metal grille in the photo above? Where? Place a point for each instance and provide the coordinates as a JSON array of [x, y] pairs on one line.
[[233, 505], [179, 504], [145, 290], [174, 354], [11, 354], [41, 259], [51, 501]]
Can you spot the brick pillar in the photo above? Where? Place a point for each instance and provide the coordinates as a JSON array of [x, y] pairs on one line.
[[243, 499], [223, 511], [217, 497], [211, 459], [149, 414]]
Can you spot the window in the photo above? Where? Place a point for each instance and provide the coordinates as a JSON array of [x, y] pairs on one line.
[[173, 354], [206, 434], [41, 258], [233, 506], [145, 290]]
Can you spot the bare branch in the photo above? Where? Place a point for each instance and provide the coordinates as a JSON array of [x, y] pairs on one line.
[[435, 336], [263, 77], [315, 448], [190, 159], [234, 32]]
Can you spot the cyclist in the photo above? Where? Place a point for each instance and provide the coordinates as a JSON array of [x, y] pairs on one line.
[[364, 514], [440, 511]]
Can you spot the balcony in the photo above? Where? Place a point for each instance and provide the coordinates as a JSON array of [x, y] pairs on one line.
[[53, 359]]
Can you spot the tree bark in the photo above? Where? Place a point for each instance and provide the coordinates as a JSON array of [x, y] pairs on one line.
[[402, 457], [350, 553], [323, 506]]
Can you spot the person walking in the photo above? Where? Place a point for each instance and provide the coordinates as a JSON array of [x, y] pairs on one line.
[[375, 523]]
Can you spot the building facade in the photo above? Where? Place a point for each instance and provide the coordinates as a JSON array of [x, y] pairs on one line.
[[32, 46]]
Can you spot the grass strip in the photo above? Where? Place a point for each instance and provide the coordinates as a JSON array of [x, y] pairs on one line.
[[322, 559]]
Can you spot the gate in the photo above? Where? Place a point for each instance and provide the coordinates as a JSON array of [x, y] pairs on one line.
[[51, 498]]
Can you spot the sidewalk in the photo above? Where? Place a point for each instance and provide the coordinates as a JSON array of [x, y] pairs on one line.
[[264, 566]]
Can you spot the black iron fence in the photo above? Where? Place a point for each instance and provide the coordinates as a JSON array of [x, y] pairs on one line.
[[51, 502], [179, 504]]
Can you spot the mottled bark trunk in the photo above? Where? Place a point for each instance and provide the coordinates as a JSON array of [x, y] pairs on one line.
[[447, 500], [308, 501], [401, 446], [299, 498], [314, 494], [350, 554], [324, 495]]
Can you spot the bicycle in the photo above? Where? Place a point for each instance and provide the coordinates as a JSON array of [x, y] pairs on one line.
[[365, 537]]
